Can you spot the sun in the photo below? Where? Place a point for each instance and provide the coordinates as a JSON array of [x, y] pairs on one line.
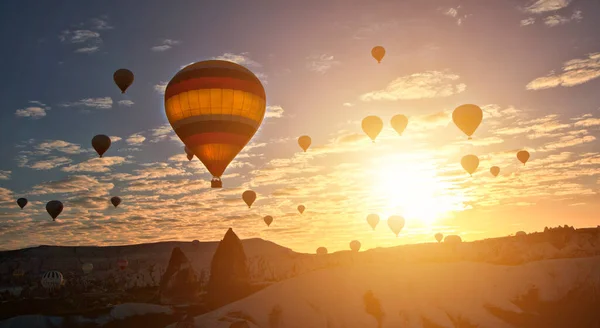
[[412, 188]]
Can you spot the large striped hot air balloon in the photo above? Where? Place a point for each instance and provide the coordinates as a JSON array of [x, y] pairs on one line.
[[215, 107]]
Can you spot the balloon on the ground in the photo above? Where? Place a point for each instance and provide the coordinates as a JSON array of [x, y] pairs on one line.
[[52, 280], [378, 52], [523, 156], [249, 197], [115, 201], [54, 208], [122, 264], [215, 108], [101, 143], [470, 163], [123, 79], [439, 236], [396, 223], [321, 251], [22, 202], [467, 118], [494, 170], [452, 239], [373, 220], [268, 220], [355, 245], [399, 123], [87, 268], [301, 208], [304, 142], [372, 125]]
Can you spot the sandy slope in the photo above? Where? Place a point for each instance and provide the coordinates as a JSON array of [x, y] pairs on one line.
[[407, 292]]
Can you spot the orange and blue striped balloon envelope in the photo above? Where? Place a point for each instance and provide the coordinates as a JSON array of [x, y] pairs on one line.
[[215, 107]]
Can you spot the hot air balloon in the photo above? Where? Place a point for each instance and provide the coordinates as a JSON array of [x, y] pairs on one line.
[[452, 239], [304, 142], [396, 223], [301, 208], [523, 156], [87, 268], [521, 234], [249, 197], [494, 170], [123, 79], [22, 202], [321, 251], [101, 143], [439, 237], [54, 208], [195, 243], [115, 201], [378, 52], [470, 163], [122, 264], [399, 123], [372, 126], [18, 273], [373, 220], [215, 107], [268, 220], [467, 118], [189, 153], [52, 280], [355, 245]]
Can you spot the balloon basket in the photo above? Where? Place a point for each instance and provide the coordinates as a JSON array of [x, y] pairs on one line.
[[216, 183]]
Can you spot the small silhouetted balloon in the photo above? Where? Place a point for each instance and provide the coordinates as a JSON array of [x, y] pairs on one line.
[[249, 197], [355, 245], [301, 208], [22, 202], [494, 170], [123, 79], [378, 52], [268, 220], [54, 208], [115, 201], [101, 143], [399, 123], [371, 126], [467, 118], [439, 237], [470, 163], [373, 220], [321, 251], [396, 223], [304, 142], [523, 156]]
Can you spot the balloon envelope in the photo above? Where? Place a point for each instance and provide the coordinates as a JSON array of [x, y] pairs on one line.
[[268, 220], [470, 163], [523, 156], [87, 268], [378, 52], [249, 197], [321, 251], [453, 239], [304, 142], [52, 280], [399, 123], [101, 143], [396, 223], [54, 208], [115, 201], [494, 170], [438, 237], [22, 202], [215, 108], [123, 79], [373, 220], [467, 118], [372, 126], [355, 245], [301, 208]]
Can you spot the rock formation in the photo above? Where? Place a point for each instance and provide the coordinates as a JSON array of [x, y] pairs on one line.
[[179, 284]]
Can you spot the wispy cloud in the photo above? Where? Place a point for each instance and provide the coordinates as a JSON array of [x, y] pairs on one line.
[[62, 146], [574, 72], [97, 103], [528, 21], [241, 59], [165, 45], [555, 20], [161, 87], [87, 40], [96, 164], [135, 139], [34, 112], [275, 111], [431, 84], [5, 175], [126, 103], [541, 6], [50, 163], [321, 63], [453, 12], [101, 23]]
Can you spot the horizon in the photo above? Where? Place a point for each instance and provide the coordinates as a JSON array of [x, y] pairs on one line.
[[531, 66]]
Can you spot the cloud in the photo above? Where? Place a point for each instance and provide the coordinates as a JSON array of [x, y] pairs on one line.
[[321, 63], [574, 72], [97, 103], [115, 138], [555, 20], [161, 87], [58, 145], [528, 21], [165, 45], [5, 175], [347, 104], [51, 163], [101, 23], [135, 139], [87, 50], [453, 12], [241, 59], [541, 6], [87, 40], [96, 164], [77, 184], [126, 103], [430, 84], [34, 112], [274, 112]]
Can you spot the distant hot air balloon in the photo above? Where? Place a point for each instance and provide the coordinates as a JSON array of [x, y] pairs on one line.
[[470, 163], [87, 268], [122, 264], [494, 170], [439, 237], [22, 202], [268, 220], [396, 223], [18, 273], [189, 153], [195, 243], [301, 208], [304, 142], [378, 52], [123, 79], [372, 126], [52, 280], [399, 123], [101, 143], [521, 233], [373, 220], [115, 201], [523, 156], [452, 239], [249, 197], [467, 118], [321, 251], [215, 107], [54, 208], [355, 245]]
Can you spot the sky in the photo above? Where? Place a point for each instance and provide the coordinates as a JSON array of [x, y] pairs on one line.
[[532, 66]]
